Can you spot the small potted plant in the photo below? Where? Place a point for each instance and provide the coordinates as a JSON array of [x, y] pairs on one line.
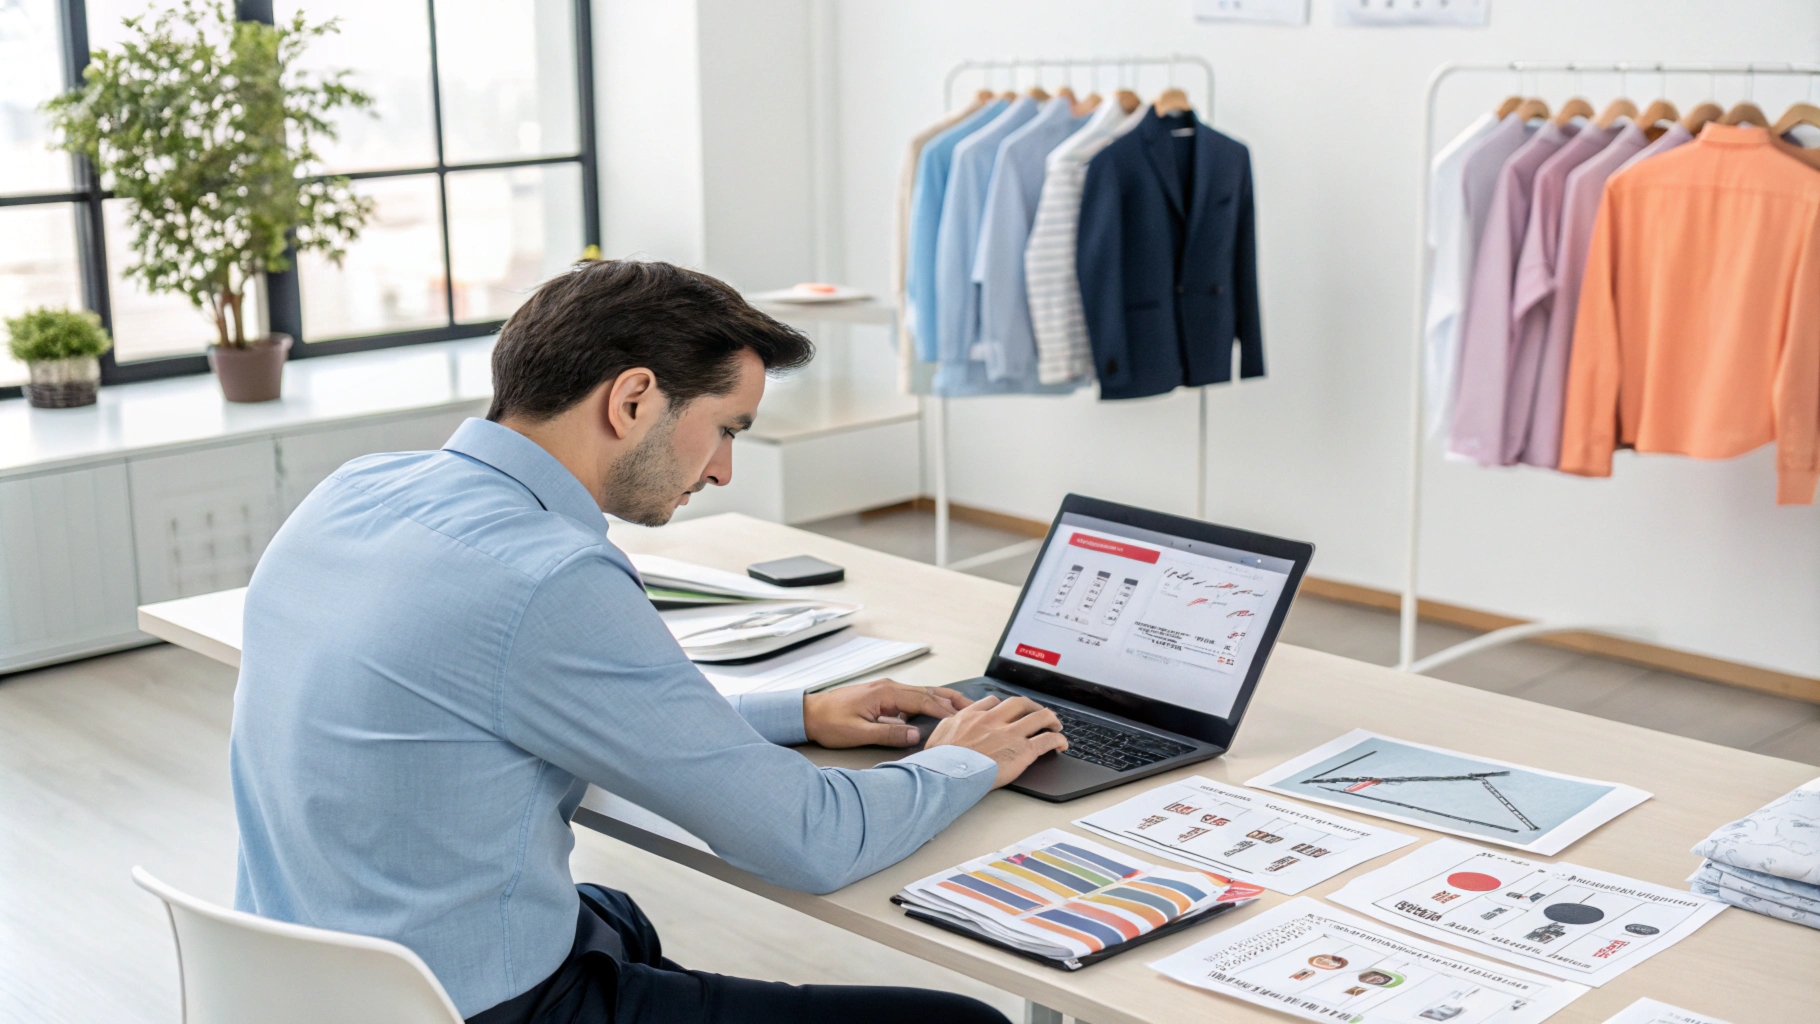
[[61, 348], [208, 126]]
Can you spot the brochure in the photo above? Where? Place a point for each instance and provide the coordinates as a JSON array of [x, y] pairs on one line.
[[1312, 962], [1255, 838], [1068, 901], [1649, 1011], [1562, 919]]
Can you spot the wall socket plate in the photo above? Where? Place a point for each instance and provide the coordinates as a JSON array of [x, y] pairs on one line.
[[1275, 12], [1393, 13]]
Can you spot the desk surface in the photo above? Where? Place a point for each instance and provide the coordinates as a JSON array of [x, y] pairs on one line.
[[1741, 967]]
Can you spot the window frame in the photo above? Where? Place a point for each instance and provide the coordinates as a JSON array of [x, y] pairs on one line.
[[283, 297]]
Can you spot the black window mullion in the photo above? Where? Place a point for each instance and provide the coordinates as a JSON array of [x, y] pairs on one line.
[[584, 106], [91, 233], [442, 172]]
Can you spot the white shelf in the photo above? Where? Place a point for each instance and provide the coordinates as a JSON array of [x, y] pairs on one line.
[[180, 412]]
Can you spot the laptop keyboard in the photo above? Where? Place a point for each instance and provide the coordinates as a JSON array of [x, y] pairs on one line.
[[1103, 743]]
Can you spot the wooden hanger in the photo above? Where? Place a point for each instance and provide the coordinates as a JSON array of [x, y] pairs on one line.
[[1128, 101], [1573, 108], [1652, 117], [1088, 105], [1746, 112], [983, 96], [1508, 107], [1615, 109], [1696, 118], [1800, 113], [1008, 95], [1172, 101], [1038, 93], [1532, 108], [1066, 92]]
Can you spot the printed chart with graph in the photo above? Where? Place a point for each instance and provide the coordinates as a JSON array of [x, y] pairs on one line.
[[1530, 809], [1249, 836], [1573, 922]]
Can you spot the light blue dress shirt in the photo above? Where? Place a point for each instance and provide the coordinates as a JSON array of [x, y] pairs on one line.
[[1006, 339], [926, 196], [441, 650]]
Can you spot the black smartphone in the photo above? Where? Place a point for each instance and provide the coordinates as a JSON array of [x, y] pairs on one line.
[[801, 571]]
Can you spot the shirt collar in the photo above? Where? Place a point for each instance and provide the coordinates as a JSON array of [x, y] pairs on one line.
[[526, 461], [1716, 134]]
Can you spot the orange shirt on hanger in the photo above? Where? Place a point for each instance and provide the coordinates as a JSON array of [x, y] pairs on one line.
[[1699, 324]]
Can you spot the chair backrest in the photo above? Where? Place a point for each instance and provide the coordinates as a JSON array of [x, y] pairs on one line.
[[238, 968]]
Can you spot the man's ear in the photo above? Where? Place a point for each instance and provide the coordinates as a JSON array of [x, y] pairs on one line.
[[632, 402]]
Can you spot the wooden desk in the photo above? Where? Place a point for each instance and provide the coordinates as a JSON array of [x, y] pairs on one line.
[[1742, 967]]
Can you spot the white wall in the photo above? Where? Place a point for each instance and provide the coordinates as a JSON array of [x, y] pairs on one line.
[[1693, 555], [648, 110]]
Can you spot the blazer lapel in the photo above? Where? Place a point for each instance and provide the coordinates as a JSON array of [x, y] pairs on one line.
[[1204, 157], [1156, 148]]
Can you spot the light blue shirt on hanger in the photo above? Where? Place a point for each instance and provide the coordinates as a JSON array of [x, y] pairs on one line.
[[1006, 339], [442, 650], [926, 196]]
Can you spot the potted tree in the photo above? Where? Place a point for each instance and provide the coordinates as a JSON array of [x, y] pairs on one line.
[[207, 125], [61, 348]]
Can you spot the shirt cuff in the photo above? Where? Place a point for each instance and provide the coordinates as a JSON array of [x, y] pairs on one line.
[[778, 715], [952, 761]]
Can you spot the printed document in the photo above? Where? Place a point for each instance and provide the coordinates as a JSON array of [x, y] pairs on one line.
[[1649, 1011], [1561, 919], [1533, 810], [1316, 963], [1255, 838]]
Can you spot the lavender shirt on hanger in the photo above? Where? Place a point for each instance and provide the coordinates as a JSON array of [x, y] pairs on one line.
[[1533, 289], [1579, 210], [1485, 340]]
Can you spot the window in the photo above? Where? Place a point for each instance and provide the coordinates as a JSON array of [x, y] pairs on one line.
[[479, 155]]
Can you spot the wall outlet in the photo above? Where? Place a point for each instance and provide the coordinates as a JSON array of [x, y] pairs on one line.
[[1393, 13], [1277, 12]]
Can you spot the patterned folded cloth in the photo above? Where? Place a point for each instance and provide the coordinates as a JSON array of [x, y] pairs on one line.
[[1781, 839], [1729, 885]]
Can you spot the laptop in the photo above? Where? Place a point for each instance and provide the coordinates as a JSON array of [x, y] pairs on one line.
[[1146, 634]]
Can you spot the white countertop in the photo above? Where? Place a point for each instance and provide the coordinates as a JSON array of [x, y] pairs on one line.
[[184, 411]]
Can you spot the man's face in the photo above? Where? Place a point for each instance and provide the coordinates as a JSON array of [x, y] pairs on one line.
[[685, 450]]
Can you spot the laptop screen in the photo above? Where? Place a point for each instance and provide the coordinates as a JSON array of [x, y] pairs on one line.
[[1146, 613]]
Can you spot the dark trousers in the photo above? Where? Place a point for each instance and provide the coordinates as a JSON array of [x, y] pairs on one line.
[[616, 972]]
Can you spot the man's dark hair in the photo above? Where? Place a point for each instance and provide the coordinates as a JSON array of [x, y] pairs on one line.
[[586, 327]]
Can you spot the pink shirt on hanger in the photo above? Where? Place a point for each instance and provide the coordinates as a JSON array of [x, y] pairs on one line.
[[1579, 208], [1484, 369], [1532, 292]]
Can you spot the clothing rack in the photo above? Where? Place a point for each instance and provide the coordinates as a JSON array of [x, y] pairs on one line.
[[1406, 647], [1121, 65]]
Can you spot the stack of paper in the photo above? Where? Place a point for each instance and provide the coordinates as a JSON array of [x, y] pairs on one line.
[[679, 584], [753, 629], [1068, 901], [814, 666]]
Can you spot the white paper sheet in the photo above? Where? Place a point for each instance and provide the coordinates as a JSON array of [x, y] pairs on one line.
[[1497, 802], [1255, 838], [814, 665], [1650, 1011], [1561, 919], [1313, 962], [660, 571]]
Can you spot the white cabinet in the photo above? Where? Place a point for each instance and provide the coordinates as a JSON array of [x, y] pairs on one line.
[[66, 560], [306, 459], [202, 518]]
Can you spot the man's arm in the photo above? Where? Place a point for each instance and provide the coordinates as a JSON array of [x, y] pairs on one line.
[[594, 683]]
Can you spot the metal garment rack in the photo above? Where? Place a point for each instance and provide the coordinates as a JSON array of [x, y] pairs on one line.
[[1406, 647], [939, 421]]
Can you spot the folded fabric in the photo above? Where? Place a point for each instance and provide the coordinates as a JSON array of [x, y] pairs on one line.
[[1780, 839], [1798, 895], [1755, 904]]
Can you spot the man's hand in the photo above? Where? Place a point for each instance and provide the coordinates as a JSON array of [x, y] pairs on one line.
[[1013, 733], [874, 713]]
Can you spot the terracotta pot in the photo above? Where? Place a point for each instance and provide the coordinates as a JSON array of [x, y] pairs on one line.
[[254, 373], [63, 383]]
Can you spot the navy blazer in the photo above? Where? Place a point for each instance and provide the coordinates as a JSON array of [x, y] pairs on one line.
[[1167, 258]]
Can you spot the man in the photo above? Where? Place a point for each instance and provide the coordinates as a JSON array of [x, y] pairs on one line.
[[443, 648]]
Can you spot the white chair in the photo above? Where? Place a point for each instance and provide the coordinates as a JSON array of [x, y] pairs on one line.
[[237, 968]]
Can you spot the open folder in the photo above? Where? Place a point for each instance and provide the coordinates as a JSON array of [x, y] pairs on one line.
[[670, 582]]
